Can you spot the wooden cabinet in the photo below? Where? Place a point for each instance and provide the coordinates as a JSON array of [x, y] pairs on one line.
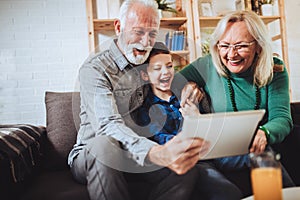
[[201, 22], [184, 22]]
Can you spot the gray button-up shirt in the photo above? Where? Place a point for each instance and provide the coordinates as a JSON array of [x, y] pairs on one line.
[[110, 88]]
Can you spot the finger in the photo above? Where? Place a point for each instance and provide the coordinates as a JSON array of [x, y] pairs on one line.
[[185, 94], [191, 143], [184, 163], [259, 146], [190, 157], [192, 105], [259, 142], [258, 149], [195, 96], [204, 149], [262, 146], [254, 146], [189, 102], [184, 148], [199, 150], [191, 162]]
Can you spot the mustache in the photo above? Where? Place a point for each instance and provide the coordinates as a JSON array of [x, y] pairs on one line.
[[140, 47]]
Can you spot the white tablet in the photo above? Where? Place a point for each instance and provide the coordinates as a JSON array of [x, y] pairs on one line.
[[229, 133]]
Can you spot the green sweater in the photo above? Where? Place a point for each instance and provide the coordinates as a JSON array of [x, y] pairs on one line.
[[274, 96]]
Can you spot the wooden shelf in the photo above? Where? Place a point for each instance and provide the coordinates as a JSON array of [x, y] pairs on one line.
[[269, 19], [182, 53], [103, 24], [213, 21], [170, 23], [174, 22]]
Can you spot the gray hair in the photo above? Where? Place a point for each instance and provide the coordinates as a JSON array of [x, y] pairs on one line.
[[127, 4], [263, 71]]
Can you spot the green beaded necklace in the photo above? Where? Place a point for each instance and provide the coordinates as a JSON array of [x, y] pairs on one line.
[[232, 97]]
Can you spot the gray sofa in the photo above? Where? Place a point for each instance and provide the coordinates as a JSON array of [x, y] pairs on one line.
[[36, 168]]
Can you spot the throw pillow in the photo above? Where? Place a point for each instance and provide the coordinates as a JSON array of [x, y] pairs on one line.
[[20, 153], [62, 112]]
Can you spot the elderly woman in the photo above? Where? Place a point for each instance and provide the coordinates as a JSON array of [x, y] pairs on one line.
[[242, 74]]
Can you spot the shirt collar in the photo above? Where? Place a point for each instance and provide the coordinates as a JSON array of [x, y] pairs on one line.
[[154, 99], [118, 56]]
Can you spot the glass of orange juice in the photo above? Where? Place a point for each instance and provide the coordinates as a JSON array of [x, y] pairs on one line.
[[266, 176]]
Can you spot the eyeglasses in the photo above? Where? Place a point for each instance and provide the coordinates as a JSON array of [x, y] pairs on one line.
[[241, 47]]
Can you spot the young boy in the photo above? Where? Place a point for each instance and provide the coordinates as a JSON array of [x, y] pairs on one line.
[[160, 116]]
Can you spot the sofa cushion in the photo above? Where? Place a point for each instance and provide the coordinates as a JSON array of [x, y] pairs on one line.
[[62, 118], [55, 185]]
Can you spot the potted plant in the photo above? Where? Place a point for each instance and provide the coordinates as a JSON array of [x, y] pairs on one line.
[[166, 7], [267, 2], [267, 7]]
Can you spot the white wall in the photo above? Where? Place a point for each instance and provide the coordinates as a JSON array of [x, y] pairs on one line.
[[293, 34], [42, 45], [44, 42]]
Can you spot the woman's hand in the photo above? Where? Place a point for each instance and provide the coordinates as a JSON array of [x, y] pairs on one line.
[[259, 143], [179, 154]]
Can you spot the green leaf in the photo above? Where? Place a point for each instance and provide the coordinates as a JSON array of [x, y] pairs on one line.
[[165, 6]]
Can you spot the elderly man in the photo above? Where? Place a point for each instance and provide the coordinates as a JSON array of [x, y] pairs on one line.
[[107, 145]]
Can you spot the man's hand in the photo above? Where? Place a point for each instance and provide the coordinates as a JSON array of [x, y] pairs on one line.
[[259, 143], [179, 154], [192, 92]]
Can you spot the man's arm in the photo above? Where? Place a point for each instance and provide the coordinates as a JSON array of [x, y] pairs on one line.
[[100, 114]]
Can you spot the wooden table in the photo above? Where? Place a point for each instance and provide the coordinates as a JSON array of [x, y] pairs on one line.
[[292, 193]]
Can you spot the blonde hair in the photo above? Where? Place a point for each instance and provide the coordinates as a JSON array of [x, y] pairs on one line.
[[263, 71], [127, 4]]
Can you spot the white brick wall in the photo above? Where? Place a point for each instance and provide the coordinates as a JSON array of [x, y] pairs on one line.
[[42, 45], [44, 42]]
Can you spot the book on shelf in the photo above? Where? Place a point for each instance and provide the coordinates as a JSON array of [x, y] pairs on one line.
[[168, 39], [175, 40]]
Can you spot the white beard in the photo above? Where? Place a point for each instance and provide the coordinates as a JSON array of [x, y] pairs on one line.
[[138, 59]]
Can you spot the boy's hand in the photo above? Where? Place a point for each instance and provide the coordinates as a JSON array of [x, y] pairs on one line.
[[192, 92], [189, 109]]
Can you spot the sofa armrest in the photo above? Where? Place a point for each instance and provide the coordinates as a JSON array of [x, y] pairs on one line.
[[20, 155], [290, 148]]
